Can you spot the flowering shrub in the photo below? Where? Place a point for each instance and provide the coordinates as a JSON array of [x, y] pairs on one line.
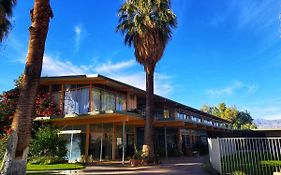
[[8, 103], [44, 105]]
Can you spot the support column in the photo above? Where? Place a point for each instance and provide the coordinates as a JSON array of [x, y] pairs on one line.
[[61, 105], [101, 142], [179, 140], [90, 99], [71, 143], [87, 142], [190, 138], [165, 139], [135, 136], [123, 143], [113, 148]]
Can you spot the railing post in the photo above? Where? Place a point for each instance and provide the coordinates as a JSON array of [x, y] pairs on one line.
[[219, 154], [123, 146]]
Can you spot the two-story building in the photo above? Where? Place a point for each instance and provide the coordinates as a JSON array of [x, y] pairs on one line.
[[104, 119]]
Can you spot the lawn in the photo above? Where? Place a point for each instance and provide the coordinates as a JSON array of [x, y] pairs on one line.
[[65, 166], [253, 163]]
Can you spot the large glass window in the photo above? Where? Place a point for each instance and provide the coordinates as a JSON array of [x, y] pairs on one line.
[[120, 103], [166, 113], [56, 97], [96, 99], [56, 93], [107, 101], [76, 100]]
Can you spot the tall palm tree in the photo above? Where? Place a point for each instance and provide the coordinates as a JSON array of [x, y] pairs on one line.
[[147, 25], [14, 161], [6, 11]]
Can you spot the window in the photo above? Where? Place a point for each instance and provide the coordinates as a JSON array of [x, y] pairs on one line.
[[166, 113], [107, 101], [56, 97], [120, 103], [96, 99], [56, 93], [76, 101]]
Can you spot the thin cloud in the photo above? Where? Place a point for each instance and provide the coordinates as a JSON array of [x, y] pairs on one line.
[[229, 90], [55, 67], [256, 14], [232, 88], [253, 88], [18, 50], [78, 29], [163, 86], [266, 109], [121, 71], [111, 67]]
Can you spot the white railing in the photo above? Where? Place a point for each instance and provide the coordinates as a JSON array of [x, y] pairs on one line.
[[254, 156]]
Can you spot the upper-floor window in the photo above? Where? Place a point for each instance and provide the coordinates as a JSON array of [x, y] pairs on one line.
[[107, 101], [96, 99], [166, 113], [120, 102], [103, 100], [76, 99], [56, 93], [181, 115]]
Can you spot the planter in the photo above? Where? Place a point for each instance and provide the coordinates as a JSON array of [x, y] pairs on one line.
[[135, 162]]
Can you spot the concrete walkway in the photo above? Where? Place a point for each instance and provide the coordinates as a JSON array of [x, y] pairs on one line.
[[171, 166], [175, 166]]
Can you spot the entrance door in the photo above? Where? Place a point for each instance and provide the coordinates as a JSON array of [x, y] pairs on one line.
[[186, 149], [100, 145], [130, 145]]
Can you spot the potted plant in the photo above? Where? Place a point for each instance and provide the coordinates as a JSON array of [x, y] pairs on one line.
[[136, 159]]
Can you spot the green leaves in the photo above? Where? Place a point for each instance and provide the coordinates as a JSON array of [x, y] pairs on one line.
[[139, 16], [6, 7], [240, 119], [47, 143]]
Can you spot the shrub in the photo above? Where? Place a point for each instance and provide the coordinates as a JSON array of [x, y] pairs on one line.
[[46, 160], [2, 148], [238, 173], [47, 146]]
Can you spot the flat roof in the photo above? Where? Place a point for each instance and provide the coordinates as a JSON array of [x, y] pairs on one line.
[[96, 77]]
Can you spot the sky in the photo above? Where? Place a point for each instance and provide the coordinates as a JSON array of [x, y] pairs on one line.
[[221, 51]]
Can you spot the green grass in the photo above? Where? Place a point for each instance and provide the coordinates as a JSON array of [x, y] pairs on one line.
[[251, 163], [271, 162], [65, 166]]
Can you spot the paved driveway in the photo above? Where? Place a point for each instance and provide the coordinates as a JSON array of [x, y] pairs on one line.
[[175, 166]]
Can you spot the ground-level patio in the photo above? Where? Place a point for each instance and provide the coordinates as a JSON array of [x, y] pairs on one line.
[[178, 166]]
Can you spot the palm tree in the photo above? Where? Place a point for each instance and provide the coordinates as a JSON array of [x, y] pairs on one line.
[[147, 25], [14, 161], [6, 7]]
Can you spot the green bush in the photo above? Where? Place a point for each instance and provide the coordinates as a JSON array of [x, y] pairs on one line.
[[47, 146], [2, 148], [46, 160], [238, 173]]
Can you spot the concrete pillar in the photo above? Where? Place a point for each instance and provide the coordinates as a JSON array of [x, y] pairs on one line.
[[179, 140], [101, 140], [190, 138], [165, 139], [87, 142], [113, 142], [135, 136], [123, 145]]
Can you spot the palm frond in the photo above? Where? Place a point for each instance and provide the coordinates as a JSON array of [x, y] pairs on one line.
[[6, 9], [139, 16]]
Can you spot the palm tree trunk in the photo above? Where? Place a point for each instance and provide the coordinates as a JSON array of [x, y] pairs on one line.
[[14, 161], [148, 147]]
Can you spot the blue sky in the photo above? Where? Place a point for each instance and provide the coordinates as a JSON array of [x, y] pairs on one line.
[[222, 51]]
